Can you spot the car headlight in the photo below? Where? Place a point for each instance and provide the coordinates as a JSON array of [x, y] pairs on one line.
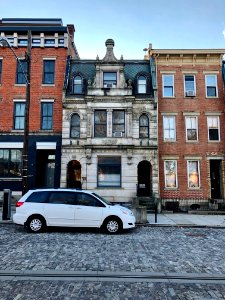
[[127, 212]]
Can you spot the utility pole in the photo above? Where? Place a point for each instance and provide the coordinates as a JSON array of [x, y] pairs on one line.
[[26, 119]]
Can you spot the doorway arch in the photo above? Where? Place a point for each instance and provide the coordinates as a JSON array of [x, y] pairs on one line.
[[74, 174], [144, 185]]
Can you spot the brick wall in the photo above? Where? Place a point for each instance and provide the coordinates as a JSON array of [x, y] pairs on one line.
[[9, 90], [181, 149]]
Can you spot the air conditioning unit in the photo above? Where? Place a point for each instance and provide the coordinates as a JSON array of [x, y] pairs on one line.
[[190, 93], [109, 85], [118, 134]]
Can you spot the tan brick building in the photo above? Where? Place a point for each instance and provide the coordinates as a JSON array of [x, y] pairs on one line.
[[51, 44], [191, 124]]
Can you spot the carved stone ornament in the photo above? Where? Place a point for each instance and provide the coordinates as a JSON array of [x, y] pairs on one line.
[[89, 82], [109, 57]]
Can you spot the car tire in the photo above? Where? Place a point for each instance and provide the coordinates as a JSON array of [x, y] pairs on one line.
[[35, 224], [112, 225]]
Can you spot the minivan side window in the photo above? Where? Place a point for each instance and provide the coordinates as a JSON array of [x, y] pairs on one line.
[[38, 197], [88, 200], [62, 198]]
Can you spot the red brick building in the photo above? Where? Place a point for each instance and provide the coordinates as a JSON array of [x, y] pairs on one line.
[[191, 122], [51, 44]]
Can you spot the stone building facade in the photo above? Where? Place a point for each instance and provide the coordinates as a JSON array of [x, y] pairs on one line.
[[109, 138], [51, 44], [191, 105]]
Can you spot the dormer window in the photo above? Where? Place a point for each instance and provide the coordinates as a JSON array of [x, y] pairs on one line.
[[77, 85], [142, 84], [109, 80]]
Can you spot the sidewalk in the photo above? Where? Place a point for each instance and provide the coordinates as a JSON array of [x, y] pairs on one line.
[[176, 219]]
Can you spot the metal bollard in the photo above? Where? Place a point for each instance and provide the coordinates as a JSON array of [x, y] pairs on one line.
[[6, 207], [156, 211]]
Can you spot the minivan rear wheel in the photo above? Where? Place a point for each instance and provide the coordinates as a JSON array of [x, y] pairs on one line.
[[35, 224], [112, 225]]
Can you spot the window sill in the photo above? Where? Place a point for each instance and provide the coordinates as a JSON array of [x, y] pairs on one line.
[[192, 142], [214, 142], [194, 189], [20, 84], [46, 130], [171, 189], [169, 141], [17, 130], [48, 85], [173, 97], [215, 97]]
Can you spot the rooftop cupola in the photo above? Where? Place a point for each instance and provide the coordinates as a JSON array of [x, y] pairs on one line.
[[109, 56]]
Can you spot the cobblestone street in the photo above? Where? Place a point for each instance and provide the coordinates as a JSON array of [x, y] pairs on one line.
[[173, 250]]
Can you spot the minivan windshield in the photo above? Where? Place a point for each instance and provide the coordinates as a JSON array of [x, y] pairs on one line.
[[101, 198]]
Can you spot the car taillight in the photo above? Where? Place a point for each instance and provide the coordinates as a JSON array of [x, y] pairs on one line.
[[18, 204]]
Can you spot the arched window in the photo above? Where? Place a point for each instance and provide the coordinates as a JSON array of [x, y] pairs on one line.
[[142, 84], [77, 84], [75, 126], [143, 127]]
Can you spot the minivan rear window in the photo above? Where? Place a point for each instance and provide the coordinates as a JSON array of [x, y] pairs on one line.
[[38, 197]]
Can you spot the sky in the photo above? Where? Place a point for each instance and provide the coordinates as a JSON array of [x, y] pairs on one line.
[[132, 24]]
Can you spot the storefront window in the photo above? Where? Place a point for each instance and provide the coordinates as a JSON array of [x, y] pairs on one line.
[[109, 171]]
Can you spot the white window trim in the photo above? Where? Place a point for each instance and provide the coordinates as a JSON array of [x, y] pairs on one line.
[[11, 145], [213, 116], [199, 178], [191, 141], [47, 100], [46, 145], [194, 85], [215, 75], [163, 75], [19, 100], [49, 58], [175, 136], [166, 187]]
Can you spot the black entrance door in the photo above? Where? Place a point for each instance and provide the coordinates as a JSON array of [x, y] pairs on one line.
[[144, 179], [74, 174], [45, 168], [215, 171]]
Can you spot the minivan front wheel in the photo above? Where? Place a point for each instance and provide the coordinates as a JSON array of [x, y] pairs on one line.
[[35, 224], [112, 225]]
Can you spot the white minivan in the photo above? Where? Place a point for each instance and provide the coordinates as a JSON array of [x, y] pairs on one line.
[[40, 208]]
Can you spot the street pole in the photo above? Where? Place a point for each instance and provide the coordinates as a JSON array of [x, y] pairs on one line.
[[26, 119]]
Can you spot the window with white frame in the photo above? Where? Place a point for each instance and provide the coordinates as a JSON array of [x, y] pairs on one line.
[[189, 85], [170, 173], [19, 115], [211, 85], [191, 128], [213, 128], [109, 79], [77, 84], [142, 84], [193, 174], [168, 85], [46, 115], [169, 128]]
